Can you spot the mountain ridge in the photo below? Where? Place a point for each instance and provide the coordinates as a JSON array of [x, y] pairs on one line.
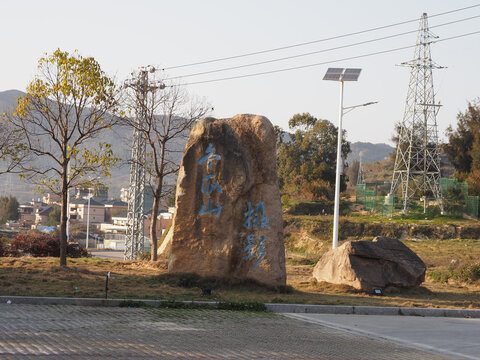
[[369, 152]]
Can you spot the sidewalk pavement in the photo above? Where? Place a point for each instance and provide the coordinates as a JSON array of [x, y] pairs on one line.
[[338, 332], [453, 337], [59, 332]]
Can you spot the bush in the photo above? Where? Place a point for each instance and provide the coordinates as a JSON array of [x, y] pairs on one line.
[[242, 306], [312, 208], [468, 273], [41, 245]]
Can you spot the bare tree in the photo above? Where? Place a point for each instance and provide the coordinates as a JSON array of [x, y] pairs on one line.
[[68, 104], [168, 115]]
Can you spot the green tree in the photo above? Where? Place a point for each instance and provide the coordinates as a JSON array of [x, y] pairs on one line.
[[54, 216], [68, 105], [8, 209], [463, 148], [308, 159]]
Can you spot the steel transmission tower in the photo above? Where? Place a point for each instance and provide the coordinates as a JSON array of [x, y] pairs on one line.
[[134, 240], [417, 162]]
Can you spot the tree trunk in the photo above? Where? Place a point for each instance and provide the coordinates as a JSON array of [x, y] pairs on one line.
[[63, 221], [153, 224]]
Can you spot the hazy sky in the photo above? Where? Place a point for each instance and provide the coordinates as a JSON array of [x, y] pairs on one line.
[[123, 35]]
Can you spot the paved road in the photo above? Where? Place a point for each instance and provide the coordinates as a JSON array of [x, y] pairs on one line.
[[116, 255], [76, 332], [459, 338]]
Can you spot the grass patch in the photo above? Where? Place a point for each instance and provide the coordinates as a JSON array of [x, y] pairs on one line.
[[242, 306], [453, 280], [133, 304]]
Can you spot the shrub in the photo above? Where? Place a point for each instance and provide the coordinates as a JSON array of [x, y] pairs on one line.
[[312, 208], [467, 273], [242, 306], [41, 245]]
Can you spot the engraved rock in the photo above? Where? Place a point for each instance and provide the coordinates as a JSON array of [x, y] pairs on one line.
[[228, 217]]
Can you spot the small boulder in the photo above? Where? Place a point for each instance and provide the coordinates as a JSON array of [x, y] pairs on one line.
[[368, 265]]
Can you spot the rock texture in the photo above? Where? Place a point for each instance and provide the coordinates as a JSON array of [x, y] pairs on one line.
[[368, 265], [228, 217], [163, 251]]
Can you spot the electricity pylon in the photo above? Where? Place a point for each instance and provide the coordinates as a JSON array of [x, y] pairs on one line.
[[134, 240], [417, 163]]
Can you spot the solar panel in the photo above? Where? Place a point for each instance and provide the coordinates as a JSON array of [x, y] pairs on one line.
[[351, 74], [333, 74]]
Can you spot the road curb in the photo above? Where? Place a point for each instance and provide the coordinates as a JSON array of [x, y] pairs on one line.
[[31, 300], [372, 310], [277, 308]]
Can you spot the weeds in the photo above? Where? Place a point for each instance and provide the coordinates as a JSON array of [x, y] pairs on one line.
[[469, 273]]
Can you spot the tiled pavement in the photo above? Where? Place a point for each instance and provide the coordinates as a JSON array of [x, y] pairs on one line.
[[77, 332]]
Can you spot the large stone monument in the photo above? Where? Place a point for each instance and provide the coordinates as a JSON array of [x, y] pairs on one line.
[[368, 265], [228, 217]]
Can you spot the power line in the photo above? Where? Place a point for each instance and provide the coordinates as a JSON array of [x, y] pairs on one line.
[[322, 63], [311, 42], [316, 52]]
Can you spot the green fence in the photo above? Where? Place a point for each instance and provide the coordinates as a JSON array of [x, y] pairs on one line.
[[367, 196], [448, 185], [472, 206], [455, 198]]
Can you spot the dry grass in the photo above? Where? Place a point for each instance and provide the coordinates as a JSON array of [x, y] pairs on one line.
[[86, 278]]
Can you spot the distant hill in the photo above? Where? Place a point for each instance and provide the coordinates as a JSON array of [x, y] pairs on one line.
[[369, 152], [8, 99]]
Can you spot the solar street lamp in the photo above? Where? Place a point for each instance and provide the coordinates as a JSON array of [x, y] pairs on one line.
[[341, 75]]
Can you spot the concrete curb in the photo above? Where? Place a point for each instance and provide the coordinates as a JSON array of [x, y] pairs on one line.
[[372, 310], [277, 308], [30, 300]]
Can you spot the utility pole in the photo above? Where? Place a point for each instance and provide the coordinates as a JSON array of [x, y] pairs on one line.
[[417, 162], [134, 240]]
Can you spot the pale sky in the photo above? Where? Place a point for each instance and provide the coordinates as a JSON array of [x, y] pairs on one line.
[[123, 35]]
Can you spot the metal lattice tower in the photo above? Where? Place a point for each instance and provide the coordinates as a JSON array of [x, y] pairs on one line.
[[134, 240], [417, 163]]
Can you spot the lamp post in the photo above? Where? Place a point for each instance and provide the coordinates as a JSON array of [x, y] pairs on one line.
[[88, 216], [341, 74]]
